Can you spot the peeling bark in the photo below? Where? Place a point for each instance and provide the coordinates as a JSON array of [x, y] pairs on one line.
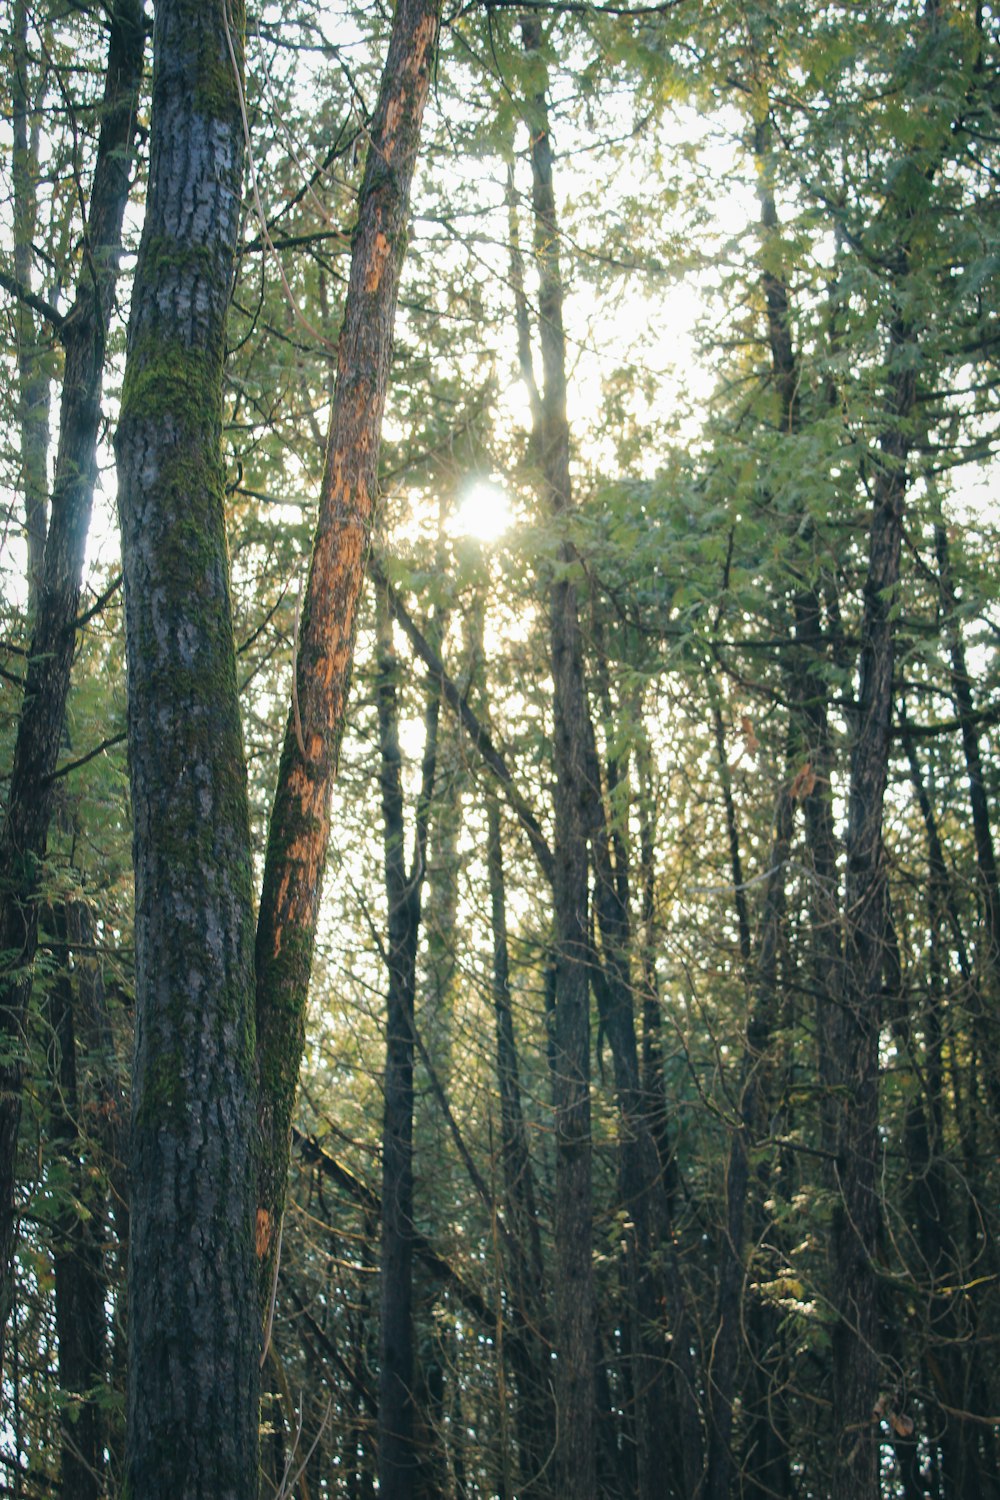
[[300, 818]]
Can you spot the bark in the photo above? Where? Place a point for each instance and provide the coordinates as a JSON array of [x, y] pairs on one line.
[[398, 1454], [807, 685], [33, 380], [961, 690], [648, 1240], [24, 835], [732, 830], [300, 817], [529, 1350], [810, 752], [573, 790], [854, 1055], [653, 1081], [929, 1189], [854, 1030], [751, 1099], [442, 982], [81, 1282], [194, 1334]]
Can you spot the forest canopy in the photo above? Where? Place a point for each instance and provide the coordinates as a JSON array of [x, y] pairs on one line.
[[499, 687]]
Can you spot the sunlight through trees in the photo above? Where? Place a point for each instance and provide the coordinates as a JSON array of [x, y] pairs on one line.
[[500, 953]]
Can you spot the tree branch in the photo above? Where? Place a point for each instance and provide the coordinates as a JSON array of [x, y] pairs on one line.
[[473, 728], [31, 299]]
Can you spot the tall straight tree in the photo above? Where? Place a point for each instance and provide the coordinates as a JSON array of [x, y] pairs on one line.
[[397, 1457], [32, 375], [194, 1332], [572, 796], [56, 565]]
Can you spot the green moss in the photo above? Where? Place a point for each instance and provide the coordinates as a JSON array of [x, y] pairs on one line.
[[165, 258], [215, 93], [168, 377], [164, 1092]]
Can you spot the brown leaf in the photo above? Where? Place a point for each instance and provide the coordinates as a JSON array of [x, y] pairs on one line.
[[804, 783], [263, 1233], [902, 1426]]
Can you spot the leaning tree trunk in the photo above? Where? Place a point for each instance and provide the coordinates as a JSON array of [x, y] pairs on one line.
[[300, 818], [194, 1329], [24, 835]]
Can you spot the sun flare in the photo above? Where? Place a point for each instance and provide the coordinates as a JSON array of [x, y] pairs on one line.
[[484, 513]]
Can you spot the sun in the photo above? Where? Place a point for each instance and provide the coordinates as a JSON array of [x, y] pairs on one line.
[[484, 512]]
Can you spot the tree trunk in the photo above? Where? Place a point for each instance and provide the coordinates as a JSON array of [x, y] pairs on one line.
[[24, 835], [855, 1033], [300, 817], [813, 751], [194, 1334], [398, 1459], [809, 750], [574, 1299], [32, 376], [534, 1417], [721, 1470], [81, 1283], [961, 690]]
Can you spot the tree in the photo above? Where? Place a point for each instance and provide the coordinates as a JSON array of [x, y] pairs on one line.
[[194, 1336], [299, 827], [28, 809]]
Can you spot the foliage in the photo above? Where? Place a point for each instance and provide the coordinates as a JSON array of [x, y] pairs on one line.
[[708, 159]]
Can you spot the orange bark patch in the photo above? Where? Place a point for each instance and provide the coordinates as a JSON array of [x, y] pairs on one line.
[[399, 105], [376, 265], [392, 113], [263, 1233]]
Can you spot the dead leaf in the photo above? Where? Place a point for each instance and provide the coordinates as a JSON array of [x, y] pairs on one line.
[[804, 784]]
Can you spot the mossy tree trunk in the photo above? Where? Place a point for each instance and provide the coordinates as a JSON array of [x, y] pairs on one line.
[[300, 817], [24, 835], [194, 1331]]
